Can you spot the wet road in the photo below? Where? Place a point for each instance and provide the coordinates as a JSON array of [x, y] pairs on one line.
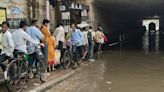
[[125, 71], [2, 85], [3, 88]]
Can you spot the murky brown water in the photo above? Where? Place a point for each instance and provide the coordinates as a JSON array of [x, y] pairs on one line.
[[119, 72]]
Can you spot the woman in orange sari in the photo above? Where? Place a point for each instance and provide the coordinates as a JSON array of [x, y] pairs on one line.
[[51, 52]]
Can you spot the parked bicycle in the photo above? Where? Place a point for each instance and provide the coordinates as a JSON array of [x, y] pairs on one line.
[[16, 74], [39, 67], [67, 58]]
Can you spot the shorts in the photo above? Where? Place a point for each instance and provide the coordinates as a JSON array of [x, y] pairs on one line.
[[85, 48]]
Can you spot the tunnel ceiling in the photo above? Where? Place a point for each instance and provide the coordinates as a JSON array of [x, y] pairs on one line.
[[127, 14], [133, 2], [154, 6]]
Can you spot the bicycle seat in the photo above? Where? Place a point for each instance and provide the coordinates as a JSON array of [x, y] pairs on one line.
[[11, 58], [20, 53]]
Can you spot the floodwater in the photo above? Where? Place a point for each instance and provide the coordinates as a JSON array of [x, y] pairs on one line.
[[122, 71], [119, 71]]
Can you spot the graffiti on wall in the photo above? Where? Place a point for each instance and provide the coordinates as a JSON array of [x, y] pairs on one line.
[[15, 8], [14, 22]]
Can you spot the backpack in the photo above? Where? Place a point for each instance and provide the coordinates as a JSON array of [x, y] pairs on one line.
[[105, 38], [90, 38]]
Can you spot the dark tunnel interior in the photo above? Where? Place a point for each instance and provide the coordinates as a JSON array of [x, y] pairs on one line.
[[125, 17]]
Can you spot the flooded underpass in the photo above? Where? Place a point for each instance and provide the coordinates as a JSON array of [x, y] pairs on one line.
[[134, 65], [124, 67], [133, 58], [119, 71]]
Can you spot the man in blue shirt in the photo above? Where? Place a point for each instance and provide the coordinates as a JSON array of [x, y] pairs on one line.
[[77, 42], [36, 34]]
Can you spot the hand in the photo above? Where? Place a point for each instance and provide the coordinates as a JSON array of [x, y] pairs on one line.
[[78, 43], [42, 44]]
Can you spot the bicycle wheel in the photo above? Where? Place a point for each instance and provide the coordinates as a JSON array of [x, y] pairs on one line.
[[24, 70], [66, 60], [41, 68], [16, 76], [23, 75], [10, 76]]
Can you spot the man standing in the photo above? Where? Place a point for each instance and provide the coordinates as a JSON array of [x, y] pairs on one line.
[[7, 45], [91, 38], [36, 34], [47, 34], [85, 43], [99, 40], [60, 38], [77, 42]]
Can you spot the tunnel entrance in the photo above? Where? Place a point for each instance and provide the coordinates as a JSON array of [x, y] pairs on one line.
[[152, 26], [151, 36]]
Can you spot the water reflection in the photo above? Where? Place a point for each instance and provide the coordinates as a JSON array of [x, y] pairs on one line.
[[151, 41], [102, 69]]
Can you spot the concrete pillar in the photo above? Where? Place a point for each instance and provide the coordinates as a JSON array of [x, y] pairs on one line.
[[47, 9], [53, 18]]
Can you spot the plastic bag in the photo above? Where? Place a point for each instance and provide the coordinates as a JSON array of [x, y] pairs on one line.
[[57, 57]]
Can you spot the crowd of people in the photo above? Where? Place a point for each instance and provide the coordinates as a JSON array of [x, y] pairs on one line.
[[29, 38]]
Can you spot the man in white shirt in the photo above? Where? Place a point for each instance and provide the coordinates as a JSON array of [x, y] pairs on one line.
[[7, 45], [85, 43], [20, 38], [59, 34]]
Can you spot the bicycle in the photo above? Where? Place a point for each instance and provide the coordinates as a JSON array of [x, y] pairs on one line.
[[17, 72], [76, 55], [67, 58], [40, 66]]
